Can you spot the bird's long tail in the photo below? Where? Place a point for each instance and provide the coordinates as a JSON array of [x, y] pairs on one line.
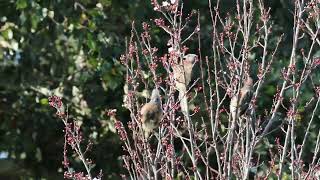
[[183, 101]]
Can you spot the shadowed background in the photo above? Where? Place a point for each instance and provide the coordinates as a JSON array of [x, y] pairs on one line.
[[72, 49]]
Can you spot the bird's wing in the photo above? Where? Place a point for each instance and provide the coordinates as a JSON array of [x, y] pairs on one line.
[[178, 73], [245, 99], [143, 112], [150, 111], [188, 70]]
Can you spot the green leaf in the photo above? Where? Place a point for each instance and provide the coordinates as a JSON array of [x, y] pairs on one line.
[[8, 34], [270, 90], [44, 101], [21, 4], [34, 21], [106, 3], [90, 42], [93, 62]]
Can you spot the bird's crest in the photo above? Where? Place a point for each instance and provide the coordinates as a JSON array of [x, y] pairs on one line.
[[155, 96], [190, 57], [248, 81]]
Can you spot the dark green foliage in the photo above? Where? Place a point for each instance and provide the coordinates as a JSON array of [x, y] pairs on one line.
[[72, 49]]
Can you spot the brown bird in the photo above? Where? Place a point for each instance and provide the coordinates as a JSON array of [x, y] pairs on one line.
[[151, 113], [183, 74], [241, 104]]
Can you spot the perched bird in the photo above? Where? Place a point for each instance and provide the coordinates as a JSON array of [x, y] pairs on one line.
[[151, 113], [241, 104], [183, 73]]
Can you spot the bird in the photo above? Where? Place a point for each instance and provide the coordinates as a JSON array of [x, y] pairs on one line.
[[151, 113], [239, 106], [183, 73], [182, 76]]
